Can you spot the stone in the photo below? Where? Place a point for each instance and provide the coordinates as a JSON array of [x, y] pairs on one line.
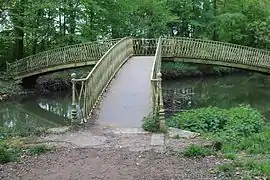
[[179, 133], [129, 131], [58, 130], [157, 140]]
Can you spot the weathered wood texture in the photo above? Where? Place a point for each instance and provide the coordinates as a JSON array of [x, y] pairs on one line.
[[91, 51], [99, 78]]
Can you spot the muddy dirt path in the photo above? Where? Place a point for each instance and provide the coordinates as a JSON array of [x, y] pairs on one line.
[[115, 154]]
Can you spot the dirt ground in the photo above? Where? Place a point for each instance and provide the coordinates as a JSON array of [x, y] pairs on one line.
[[115, 164], [97, 152], [111, 154]]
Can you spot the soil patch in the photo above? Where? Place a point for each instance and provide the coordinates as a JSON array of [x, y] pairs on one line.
[[108, 163]]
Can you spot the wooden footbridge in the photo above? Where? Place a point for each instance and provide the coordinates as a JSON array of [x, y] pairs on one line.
[[136, 90]]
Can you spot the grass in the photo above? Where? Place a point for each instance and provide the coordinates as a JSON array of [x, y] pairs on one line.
[[11, 152], [37, 150], [248, 167], [181, 69], [243, 136], [5, 156], [198, 151], [151, 124], [22, 132]]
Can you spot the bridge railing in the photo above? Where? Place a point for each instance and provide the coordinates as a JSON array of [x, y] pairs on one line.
[[91, 51], [92, 87], [144, 47], [157, 97], [214, 51]]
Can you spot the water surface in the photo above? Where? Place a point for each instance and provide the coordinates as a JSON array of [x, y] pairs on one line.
[[54, 109], [224, 92], [51, 110]]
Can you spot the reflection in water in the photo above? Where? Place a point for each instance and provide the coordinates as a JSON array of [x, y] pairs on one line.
[[54, 110], [40, 111], [224, 92]]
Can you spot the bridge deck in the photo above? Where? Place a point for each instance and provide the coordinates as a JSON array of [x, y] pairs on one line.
[[128, 98]]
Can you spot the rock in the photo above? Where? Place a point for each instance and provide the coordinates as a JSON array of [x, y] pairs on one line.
[[157, 140], [179, 133], [59, 130]]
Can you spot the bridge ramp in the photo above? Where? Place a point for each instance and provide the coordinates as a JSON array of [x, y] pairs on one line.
[[128, 98]]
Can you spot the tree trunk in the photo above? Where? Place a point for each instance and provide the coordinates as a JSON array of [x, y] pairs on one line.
[[18, 16], [215, 34], [38, 16], [72, 21]]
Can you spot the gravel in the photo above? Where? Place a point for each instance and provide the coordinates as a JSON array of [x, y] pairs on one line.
[[109, 163]]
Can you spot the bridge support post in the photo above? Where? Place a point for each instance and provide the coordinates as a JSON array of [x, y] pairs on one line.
[[74, 109], [161, 112]]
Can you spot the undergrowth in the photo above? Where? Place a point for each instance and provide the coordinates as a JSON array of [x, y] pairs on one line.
[[152, 124], [22, 131], [198, 151], [10, 151], [13, 145], [181, 69], [241, 131]]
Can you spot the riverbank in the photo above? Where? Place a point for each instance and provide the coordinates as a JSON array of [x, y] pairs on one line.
[[53, 82], [240, 134], [174, 69], [103, 147], [61, 81], [106, 152], [9, 90]]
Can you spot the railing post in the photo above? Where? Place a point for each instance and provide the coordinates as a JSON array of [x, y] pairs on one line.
[[74, 108], [161, 112]]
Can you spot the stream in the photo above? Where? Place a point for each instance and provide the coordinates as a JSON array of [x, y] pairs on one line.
[[224, 92], [51, 110], [54, 109]]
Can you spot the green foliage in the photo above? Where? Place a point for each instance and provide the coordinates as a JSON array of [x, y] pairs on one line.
[[201, 120], [151, 124], [22, 131], [198, 151], [5, 156], [258, 143], [232, 27], [37, 150], [239, 130], [23, 23], [180, 69], [226, 124], [249, 167], [10, 151]]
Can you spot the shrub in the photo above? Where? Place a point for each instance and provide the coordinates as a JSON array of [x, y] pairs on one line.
[[258, 143], [237, 129], [5, 156], [244, 120], [37, 150], [24, 131], [151, 124], [12, 152], [198, 151], [202, 120], [229, 124]]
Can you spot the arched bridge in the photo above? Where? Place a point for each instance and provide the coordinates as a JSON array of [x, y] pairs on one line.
[[136, 89]]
